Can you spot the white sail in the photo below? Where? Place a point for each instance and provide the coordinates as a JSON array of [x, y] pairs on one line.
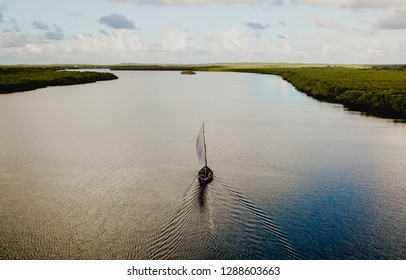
[[200, 147]]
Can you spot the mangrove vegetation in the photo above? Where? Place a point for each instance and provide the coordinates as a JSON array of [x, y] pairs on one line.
[[188, 72], [378, 90], [14, 79]]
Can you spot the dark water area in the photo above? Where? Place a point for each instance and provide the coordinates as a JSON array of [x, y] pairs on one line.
[[248, 229], [108, 171]]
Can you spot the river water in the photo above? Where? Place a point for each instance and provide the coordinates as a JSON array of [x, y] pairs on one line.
[[108, 171]]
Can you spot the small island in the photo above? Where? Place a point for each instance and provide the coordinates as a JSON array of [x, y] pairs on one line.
[[188, 72], [20, 78], [377, 90]]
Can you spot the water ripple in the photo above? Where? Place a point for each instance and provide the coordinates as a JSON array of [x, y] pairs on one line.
[[218, 222]]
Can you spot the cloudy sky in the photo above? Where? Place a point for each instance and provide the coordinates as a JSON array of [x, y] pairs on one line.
[[202, 31]]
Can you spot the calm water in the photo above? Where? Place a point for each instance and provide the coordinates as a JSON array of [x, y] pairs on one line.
[[108, 171]]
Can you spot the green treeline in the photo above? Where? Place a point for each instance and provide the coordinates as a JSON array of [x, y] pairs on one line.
[[377, 90], [168, 67], [380, 91], [14, 79]]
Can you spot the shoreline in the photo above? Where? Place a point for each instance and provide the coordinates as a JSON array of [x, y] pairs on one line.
[[20, 79], [374, 92], [378, 91]]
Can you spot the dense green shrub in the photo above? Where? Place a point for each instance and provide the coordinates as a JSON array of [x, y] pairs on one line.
[[376, 90], [13, 79]]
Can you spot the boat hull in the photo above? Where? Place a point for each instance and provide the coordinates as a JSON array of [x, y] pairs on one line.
[[205, 176]]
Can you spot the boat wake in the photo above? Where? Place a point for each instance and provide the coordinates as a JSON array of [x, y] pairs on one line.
[[218, 222]]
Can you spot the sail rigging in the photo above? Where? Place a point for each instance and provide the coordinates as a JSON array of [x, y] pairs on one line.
[[205, 175], [201, 147]]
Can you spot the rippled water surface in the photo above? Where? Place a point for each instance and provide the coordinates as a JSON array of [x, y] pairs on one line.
[[108, 171]]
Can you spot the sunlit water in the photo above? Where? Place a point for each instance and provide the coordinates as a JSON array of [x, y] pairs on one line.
[[108, 171]]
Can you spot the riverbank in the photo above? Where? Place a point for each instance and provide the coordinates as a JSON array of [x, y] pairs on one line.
[[375, 90], [16, 79], [378, 90]]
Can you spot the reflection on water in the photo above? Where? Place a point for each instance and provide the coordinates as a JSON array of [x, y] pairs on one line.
[[231, 226], [107, 171]]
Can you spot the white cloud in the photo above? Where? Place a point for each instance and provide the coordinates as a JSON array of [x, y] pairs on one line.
[[374, 48], [198, 2], [12, 40], [26, 46], [329, 23], [391, 19], [235, 43], [219, 41], [32, 48], [402, 47], [332, 49], [354, 4], [366, 32], [337, 25], [175, 39], [395, 19], [175, 45], [120, 41]]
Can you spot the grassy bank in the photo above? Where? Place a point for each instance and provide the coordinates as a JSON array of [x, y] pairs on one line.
[[375, 90], [14, 79]]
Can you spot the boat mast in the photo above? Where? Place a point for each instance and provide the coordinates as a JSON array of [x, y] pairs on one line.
[[204, 142]]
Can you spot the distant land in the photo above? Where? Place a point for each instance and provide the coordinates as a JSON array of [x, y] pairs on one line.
[[378, 90], [24, 78]]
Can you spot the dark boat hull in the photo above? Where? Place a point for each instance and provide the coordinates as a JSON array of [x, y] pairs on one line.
[[205, 176]]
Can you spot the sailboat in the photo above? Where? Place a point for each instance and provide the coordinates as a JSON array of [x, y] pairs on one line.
[[205, 174]]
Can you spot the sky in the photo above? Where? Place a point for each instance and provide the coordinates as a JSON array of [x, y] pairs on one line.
[[202, 31]]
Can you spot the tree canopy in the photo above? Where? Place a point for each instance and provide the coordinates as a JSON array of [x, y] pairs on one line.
[[13, 79]]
